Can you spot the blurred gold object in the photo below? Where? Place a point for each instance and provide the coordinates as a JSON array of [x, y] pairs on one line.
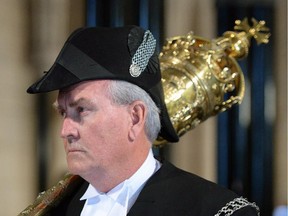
[[53, 196], [202, 78], [197, 75]]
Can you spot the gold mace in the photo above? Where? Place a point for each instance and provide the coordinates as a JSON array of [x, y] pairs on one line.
[[201, 77]]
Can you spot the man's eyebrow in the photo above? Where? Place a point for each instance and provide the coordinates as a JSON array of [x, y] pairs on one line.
[[72, 104], [79, 101]]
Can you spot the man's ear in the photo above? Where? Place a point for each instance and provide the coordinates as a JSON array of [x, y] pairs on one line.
[[138, 112]]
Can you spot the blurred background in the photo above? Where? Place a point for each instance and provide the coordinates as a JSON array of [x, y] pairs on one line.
[[244, 149]]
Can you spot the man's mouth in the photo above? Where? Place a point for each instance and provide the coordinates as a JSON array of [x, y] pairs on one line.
[[73, 150]]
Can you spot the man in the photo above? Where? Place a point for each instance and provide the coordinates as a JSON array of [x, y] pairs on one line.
[[113, 109]]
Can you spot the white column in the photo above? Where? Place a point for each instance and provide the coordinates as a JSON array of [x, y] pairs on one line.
[[17, 143], [280, 142]]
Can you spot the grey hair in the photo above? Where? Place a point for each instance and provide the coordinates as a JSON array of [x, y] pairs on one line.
[[124, 93]]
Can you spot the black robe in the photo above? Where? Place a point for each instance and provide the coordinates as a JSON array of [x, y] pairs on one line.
[[169, 192]]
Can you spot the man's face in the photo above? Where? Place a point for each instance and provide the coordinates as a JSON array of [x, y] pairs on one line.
[[94, 130]]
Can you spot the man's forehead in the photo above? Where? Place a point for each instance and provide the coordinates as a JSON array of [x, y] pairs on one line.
[[83, 89], [64, 100], [83, 85]]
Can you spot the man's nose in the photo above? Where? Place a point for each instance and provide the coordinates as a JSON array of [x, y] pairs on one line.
[[68, 128]]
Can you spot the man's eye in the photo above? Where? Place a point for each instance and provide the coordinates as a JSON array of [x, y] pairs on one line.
[[80, 109]]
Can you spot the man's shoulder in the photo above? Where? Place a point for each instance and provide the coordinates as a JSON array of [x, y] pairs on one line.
[[183, 192], [188, 184]]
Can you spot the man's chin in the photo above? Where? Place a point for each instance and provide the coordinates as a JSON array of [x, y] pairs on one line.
[[75, 167]]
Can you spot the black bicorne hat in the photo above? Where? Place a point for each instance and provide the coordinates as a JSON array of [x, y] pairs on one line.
[[122, 53]]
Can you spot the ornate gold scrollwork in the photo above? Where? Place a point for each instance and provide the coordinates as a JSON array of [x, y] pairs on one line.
[[202, 78]]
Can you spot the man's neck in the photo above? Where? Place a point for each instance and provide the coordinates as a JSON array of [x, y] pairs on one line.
[[105, 180]]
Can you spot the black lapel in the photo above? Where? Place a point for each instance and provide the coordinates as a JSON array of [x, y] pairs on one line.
[[150, 200]]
